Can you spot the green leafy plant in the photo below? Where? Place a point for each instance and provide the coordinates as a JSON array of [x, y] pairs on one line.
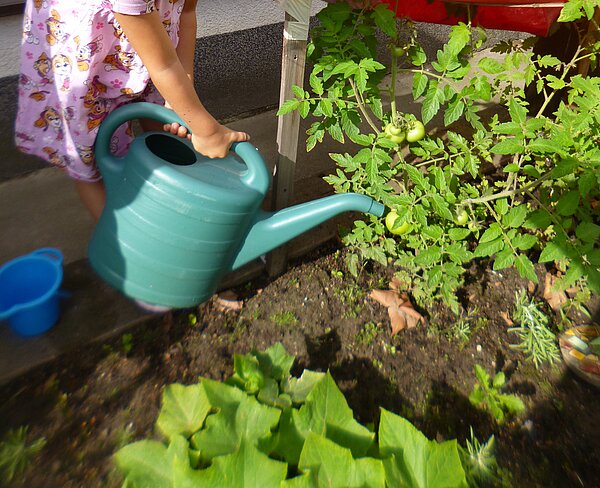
[[16, 454], [535, 338], [480, 462], [265, 428], [487, 394], [516, 187], [284, 318]]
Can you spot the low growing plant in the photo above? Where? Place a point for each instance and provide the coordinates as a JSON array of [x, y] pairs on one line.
[[265, 428], [487, 393], [480, 462], [16, 454], [518, 186], [535, 338]]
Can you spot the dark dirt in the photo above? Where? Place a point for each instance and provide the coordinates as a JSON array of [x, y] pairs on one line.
[[92, 402]]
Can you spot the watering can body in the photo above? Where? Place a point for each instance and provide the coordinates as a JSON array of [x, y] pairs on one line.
[[175, 221]]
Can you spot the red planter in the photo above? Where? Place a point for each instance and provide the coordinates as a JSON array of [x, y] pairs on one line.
[[532, 16]]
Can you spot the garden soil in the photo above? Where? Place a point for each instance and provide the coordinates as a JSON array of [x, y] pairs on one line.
[[95, 400]]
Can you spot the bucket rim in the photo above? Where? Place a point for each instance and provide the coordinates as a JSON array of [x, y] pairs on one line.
[[52, 290]]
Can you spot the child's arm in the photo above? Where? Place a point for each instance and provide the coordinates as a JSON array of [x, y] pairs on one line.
[[187, 37], [151, 42]]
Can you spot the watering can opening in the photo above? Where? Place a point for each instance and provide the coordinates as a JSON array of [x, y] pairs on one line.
[[168, 148]]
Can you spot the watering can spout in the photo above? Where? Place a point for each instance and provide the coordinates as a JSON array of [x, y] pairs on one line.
[[270, 230]]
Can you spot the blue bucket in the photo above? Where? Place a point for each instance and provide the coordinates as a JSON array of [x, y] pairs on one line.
[[29, 291]]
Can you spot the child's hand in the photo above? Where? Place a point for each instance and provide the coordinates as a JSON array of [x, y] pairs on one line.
[[217, 144]]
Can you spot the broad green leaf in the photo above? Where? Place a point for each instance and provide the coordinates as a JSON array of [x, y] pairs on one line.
[[429, 256], [485, 249], [417, 55], [552, 252], [525, 268], [183, 410], [416, 176], [588, 232], [275, 361], [458, 234], [441, 207], [491, 66], [420, 82], [330, 465], [299, 388], [512, 403], [326, 413], [504, 259], [150, 463], [326, 107], [454, 111], [499, 380], [568, 203], [247, 467], [518, 113], [414, 461], [538, 219], [524, 241], [288, 106], [385, 19], [564, 167], [491, 233], [545, 146], [515, 216], [316, 84], [508, 146], [431, 104], [239, 417]]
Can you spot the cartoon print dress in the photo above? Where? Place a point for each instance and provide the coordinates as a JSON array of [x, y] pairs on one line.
[[76, 67]]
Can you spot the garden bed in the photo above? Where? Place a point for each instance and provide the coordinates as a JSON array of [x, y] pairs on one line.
[[89, 404]]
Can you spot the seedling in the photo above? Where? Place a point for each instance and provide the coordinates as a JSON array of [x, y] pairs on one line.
[[535, 338], [127, 343], [487, 394], [15, 454], [368, 333], [283, 319], [479, 460]]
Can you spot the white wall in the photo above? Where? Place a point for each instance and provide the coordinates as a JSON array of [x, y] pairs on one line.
[[214, 17]]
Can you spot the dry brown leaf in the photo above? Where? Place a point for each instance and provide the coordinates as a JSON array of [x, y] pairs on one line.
[[227, 300], [507, 319], [556, 299], [400, 310]]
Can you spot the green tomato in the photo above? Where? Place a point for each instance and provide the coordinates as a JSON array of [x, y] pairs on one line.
[[398, 51], [416, 131], [461, 218], [394, 134], [390, 220]]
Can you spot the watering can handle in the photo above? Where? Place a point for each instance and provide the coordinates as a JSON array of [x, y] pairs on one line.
[[51, 253], [257, 175], [139, 110]]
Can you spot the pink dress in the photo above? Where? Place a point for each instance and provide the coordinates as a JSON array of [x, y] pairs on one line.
[[76, 67]]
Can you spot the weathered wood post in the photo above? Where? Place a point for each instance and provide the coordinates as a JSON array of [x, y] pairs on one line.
[[295, 35]]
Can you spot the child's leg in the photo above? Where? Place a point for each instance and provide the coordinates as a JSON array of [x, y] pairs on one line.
[[92, 195]]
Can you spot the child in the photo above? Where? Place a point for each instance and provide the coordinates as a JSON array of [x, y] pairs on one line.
[[81, 59]]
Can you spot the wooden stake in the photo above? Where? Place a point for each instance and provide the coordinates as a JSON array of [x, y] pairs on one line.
[[292, 73]]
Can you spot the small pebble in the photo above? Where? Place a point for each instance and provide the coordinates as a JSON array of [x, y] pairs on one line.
[[479, 348]]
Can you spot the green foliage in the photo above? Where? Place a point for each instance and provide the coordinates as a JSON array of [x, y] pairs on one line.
[[487, 394], [535, 338], [15, 454], [239, 435], [284, 318], [480, 463], [538, 204]]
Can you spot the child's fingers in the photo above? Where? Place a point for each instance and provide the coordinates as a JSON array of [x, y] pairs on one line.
[[241, 137]]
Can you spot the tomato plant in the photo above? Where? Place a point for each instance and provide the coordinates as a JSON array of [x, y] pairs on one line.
[[540, 201], [415, 131]]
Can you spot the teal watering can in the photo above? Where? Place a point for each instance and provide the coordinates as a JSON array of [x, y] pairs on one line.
[[175, 222]]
